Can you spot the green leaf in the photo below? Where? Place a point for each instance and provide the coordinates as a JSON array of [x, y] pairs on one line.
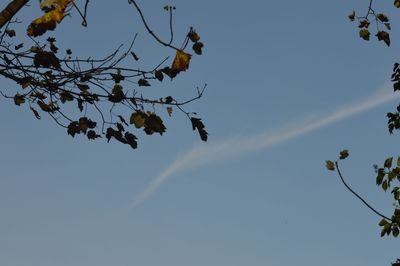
[[388, 162], [385, 185], [330, 165], [395, 231], [383, 222], [380, 176], [364, 34]]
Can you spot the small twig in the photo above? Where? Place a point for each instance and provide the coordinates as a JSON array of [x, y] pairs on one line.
[[358, 196]]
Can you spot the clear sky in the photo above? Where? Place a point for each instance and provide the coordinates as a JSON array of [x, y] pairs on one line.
[[290, 84]]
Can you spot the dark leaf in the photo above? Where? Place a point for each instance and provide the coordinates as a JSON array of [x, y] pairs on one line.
[[383, 36], [198, 124]]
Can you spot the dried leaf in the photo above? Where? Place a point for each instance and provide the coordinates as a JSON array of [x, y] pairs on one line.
[[181, 61]]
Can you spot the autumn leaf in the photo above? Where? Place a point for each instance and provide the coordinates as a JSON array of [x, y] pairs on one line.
[[397, 3], [19, 99], [382, 17], [383, 36], [330, 165], [344, 154], [138, 119], [55, 12], [181, 61]]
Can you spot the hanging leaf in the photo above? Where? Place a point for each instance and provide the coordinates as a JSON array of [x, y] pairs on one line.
[[19, 99], [344, 154], [364, 34], [383, 36], [330, 165], [55, 12], [181, 61], [198, 124], [138, 119]]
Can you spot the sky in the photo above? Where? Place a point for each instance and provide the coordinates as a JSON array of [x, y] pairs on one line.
[[289, 85]]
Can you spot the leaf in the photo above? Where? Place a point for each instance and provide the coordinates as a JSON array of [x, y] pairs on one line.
[[169, 99], [330, 165], [25, 82], [383, 36], [19, 99], [382, 17], [380, 176], [363, 24], [388, 162], [92, 135], [10, 33], [395, 231], [197, 47], [397, 3], [159, 75], [66, 96], [117, 77], [365, 34], [143, 82], [138, 119], [54, 14], [131, 140], [383, 222], [352, 16], [154, 124], [169, 110], [193, 36], [344, 154], [46, 59], [181, 61], [385, 185], [197, 124]]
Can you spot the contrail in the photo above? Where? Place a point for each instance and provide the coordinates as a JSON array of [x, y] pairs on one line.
[[243, 145]]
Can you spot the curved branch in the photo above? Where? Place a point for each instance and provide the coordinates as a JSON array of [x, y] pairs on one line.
[[358, 196]]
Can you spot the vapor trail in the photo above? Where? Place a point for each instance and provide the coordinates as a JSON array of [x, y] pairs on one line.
[[239, 146]]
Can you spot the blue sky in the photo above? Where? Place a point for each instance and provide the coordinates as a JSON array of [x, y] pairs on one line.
[[290, 84]]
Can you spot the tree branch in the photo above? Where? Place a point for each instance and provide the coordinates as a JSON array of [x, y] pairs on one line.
[[358, 196], [11, 9]]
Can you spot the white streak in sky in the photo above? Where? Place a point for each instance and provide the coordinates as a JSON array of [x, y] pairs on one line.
[[239, 145]]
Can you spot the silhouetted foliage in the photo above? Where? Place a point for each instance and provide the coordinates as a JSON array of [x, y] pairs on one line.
[[50, 78], [387, 175]]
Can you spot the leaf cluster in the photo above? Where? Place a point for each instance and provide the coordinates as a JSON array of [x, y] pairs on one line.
[[50, 79]]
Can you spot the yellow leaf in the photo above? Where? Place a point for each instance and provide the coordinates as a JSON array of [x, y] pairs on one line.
[[55, 14], [181, 61], [138, 119]]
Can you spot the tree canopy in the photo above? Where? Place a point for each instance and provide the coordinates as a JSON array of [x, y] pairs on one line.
[[93, 96]]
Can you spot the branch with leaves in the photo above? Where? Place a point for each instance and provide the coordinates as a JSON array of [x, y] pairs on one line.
[[108, 97], [385, 176], [379, 19]]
